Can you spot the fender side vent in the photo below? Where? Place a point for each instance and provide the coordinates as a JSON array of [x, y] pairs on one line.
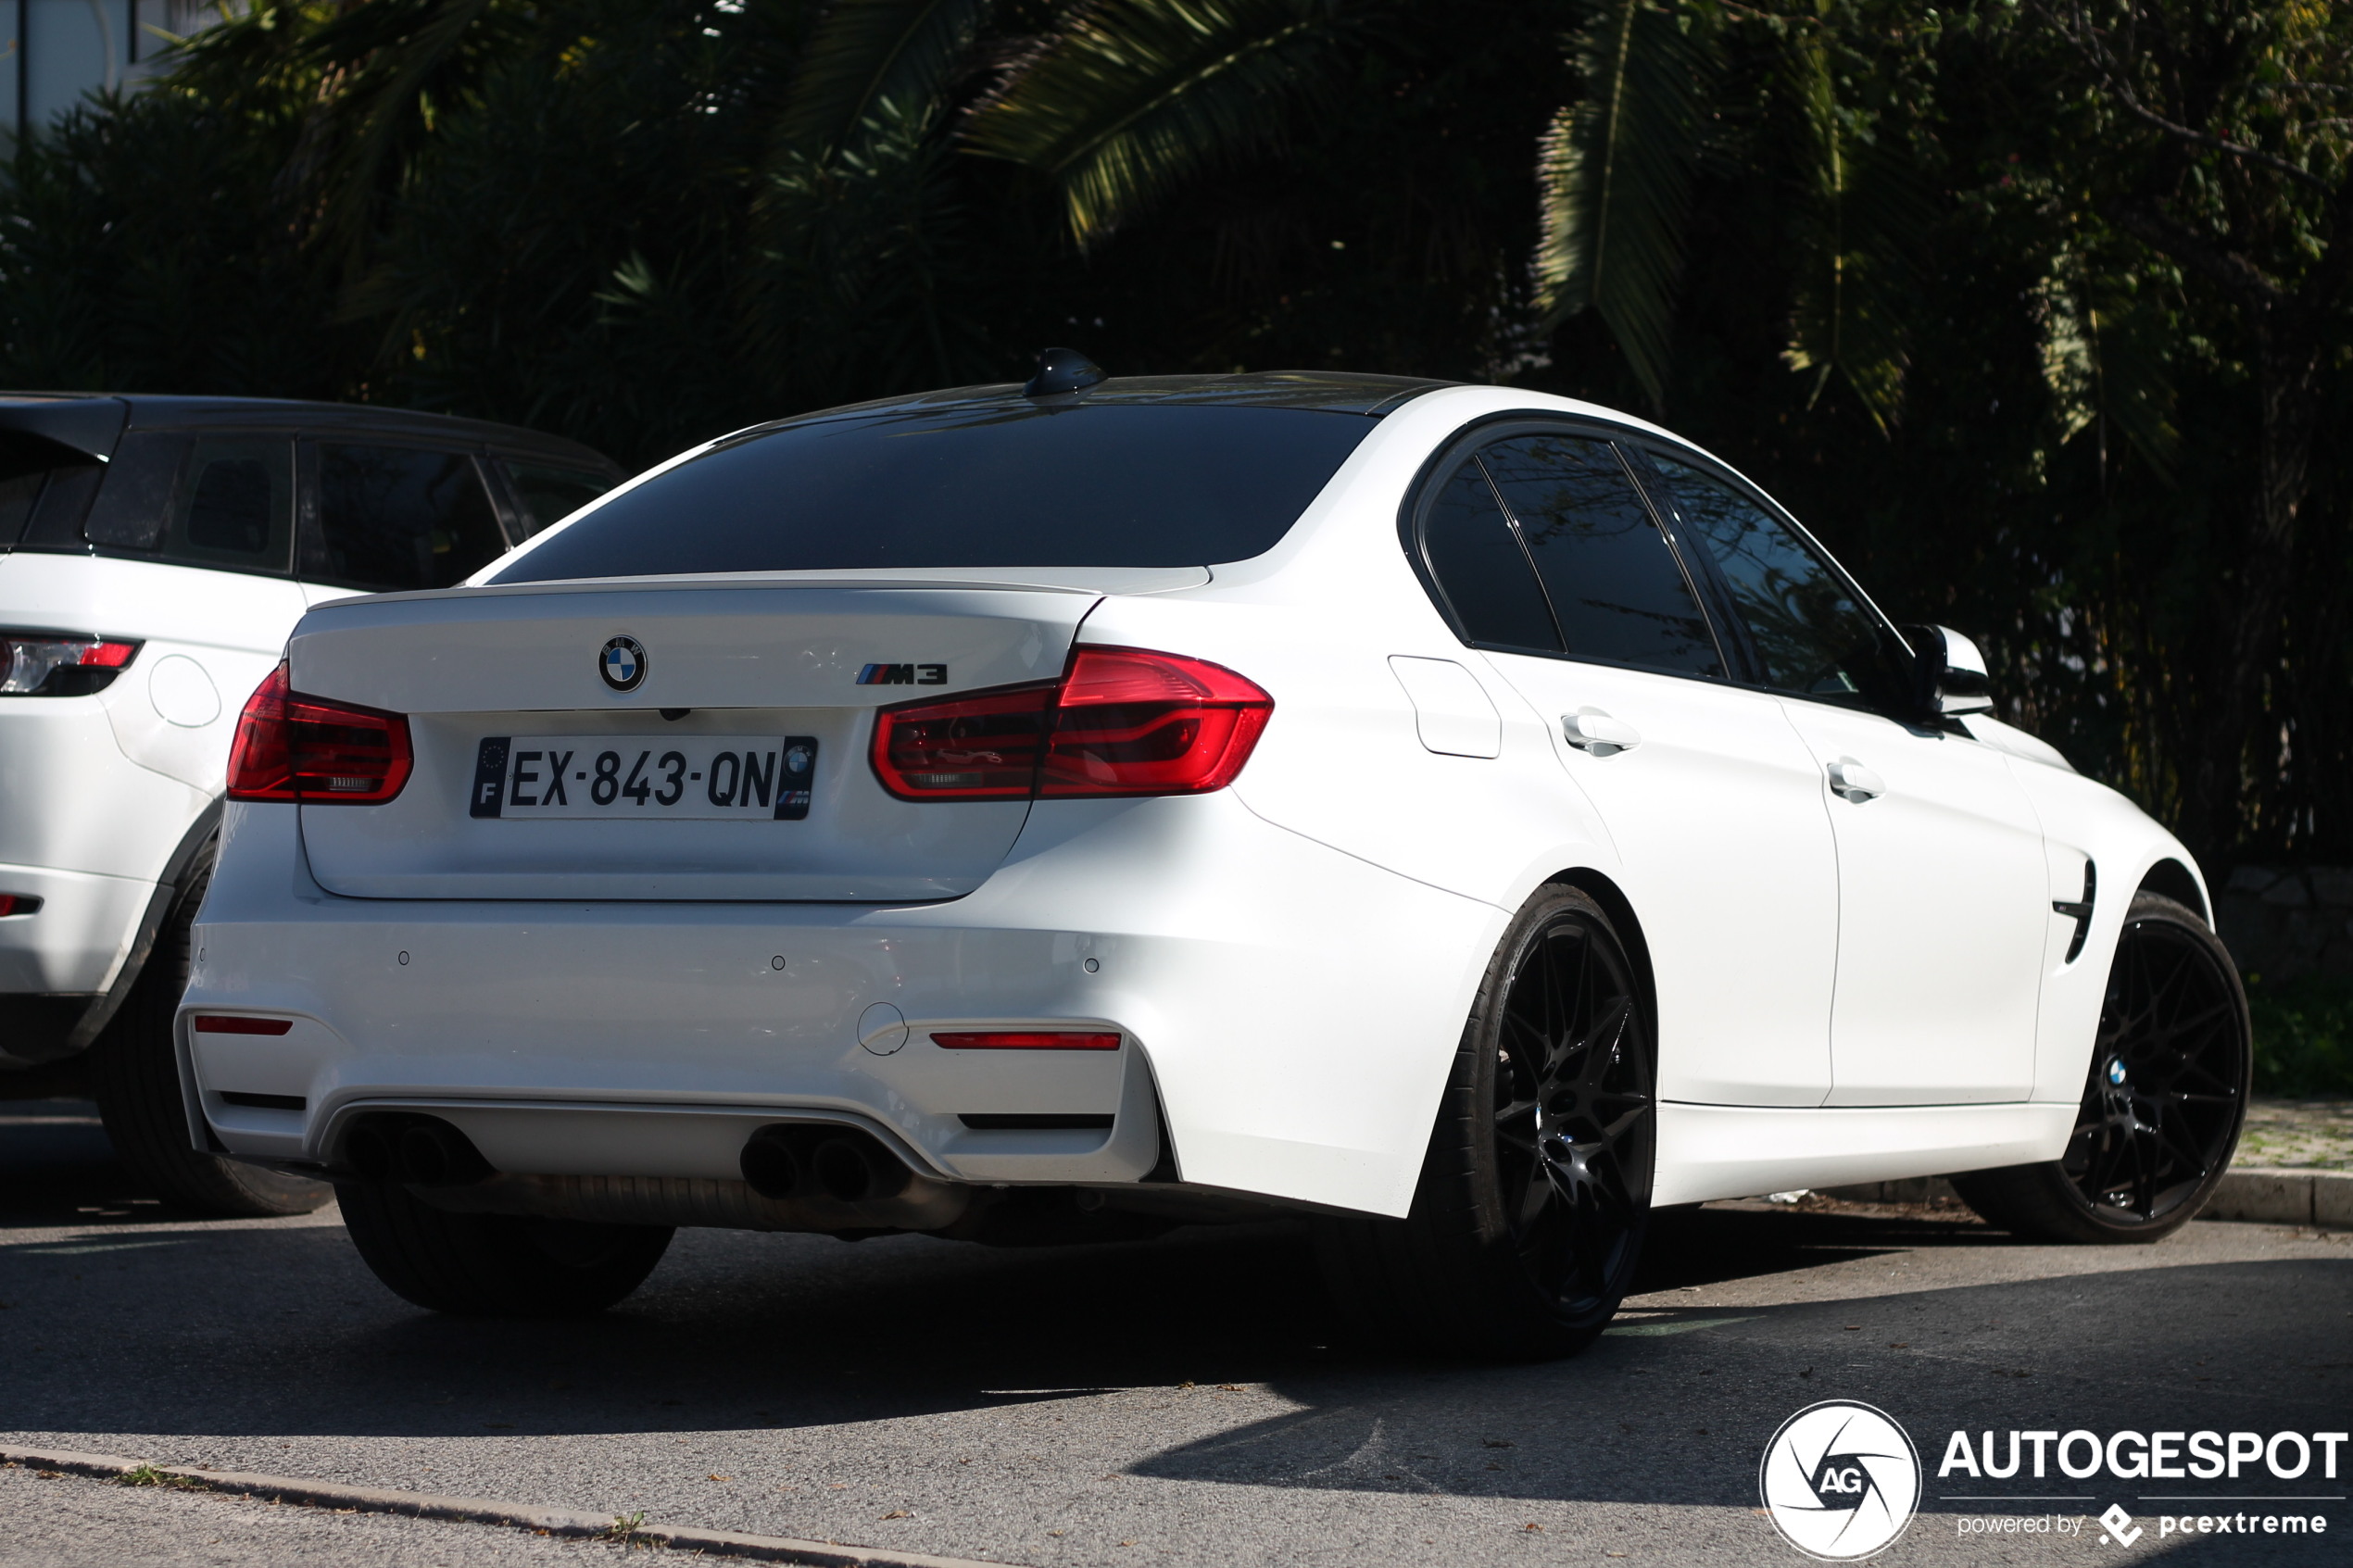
[[263, 1102], [1036, 1123]]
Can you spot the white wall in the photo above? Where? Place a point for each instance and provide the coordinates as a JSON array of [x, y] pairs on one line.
[[53, 52]]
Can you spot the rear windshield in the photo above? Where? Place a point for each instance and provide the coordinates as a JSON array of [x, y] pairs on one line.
[[1093, 484]]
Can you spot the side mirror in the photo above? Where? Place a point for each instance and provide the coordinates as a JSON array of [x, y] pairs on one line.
[[1951, 674]]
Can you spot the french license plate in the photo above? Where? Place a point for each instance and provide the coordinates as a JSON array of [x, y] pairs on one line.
[[697, 778]]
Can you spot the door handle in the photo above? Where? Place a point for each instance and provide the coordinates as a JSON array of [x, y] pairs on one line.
[[1590, 729], [1856, 782]]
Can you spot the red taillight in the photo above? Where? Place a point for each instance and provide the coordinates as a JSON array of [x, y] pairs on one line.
[[981, 747], [295, 747], [1132, 722], [1027, 1040], [1122, 722], [223, 1023]]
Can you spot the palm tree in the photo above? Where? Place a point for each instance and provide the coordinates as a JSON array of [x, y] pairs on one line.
[[1126, 100], [1119, 105]]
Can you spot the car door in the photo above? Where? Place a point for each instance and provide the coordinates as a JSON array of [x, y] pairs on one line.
[[1942, 884], [1545, 556], [381, 516]]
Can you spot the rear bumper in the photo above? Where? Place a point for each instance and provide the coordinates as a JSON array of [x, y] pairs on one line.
[[77, 939], [1287, 1014]]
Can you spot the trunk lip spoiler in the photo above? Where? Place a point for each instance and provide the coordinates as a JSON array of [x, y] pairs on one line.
[[1107, 580]]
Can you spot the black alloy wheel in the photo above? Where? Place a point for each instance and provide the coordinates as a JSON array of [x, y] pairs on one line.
[[1534, 1198], [2164, 1100], [1574, 1120]]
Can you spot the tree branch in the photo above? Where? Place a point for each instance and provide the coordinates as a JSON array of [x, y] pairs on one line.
[[2086, 40], [2233, 273]]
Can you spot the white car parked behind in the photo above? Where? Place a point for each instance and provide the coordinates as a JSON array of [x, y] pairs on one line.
[[155, 552], [1469, 817]]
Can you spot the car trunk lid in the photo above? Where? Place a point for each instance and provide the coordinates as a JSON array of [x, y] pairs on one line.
[[671, 740]]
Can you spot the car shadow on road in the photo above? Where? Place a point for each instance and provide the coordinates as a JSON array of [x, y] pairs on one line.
[[148, 1326], [56, 1168]]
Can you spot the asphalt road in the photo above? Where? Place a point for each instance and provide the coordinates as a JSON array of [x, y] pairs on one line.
[[1180, 1402]]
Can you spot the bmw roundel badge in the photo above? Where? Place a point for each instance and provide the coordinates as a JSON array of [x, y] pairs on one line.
[[622, 664]]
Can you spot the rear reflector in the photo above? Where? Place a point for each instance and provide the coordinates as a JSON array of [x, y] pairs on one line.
[[18, 904], [1028, 1040], [262, 1102], [294, 747], [1047, 1122], [1121, 721], [218, 1023]]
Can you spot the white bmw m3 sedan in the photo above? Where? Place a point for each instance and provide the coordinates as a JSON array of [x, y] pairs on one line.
[[1470, 819]]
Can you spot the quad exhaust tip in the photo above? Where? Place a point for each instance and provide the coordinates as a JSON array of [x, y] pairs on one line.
[[416, 1151], [842, 1163]]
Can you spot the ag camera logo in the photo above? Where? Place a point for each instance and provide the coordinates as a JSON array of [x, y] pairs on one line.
[[1839, 1480]]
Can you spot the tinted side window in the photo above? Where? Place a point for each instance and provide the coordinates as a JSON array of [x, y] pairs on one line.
[[234, 506], [1616, 589], [399, 516], [25, 462], [548, 494], [1476, 561], [141, 484], [1810, 633]]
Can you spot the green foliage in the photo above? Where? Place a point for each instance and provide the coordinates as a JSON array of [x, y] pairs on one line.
[[900, 53], [1129, 97], [2037, 312], [143, 244], [2303, 1036], [1614, 173]]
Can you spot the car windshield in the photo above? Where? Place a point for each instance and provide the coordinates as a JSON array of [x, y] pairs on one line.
[[968, 485]]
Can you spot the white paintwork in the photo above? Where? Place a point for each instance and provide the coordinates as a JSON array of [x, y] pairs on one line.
[[1290, 962], [184, 693], [1943, 907], [1722, 848], [101, 790], [1451, 713], [1711, 1151]]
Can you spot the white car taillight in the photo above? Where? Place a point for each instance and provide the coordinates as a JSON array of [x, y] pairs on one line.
[[55, 664]]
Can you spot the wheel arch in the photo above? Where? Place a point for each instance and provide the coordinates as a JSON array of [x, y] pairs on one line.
[[2169, 878], [1598, 887]]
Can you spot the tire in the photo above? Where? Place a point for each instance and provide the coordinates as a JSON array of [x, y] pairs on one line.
[[496, 1265], [2162, 1104], [1528, 1219], [135, 1076]]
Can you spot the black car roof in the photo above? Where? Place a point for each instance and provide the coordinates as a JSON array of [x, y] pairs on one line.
[[1334, 391], [92, 422]]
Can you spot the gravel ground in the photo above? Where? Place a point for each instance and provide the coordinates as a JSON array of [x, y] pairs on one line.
[[2298, 1134]]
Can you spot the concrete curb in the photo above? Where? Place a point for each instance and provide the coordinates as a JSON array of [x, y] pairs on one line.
[[2319, 1198], [567, 1522], [2283, 1197]]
